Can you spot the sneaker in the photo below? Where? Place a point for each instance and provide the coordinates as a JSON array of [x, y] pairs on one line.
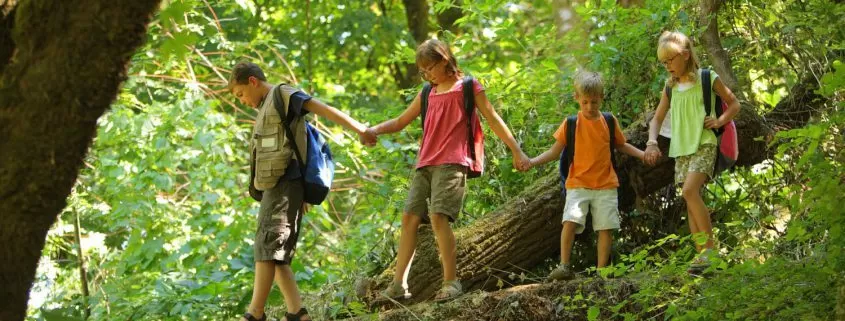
[[396, 291], [562, 273], [700, 263], [449, 291]]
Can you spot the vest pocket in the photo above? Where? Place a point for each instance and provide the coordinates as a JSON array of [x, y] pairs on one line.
[[268, 140], [273, 167]]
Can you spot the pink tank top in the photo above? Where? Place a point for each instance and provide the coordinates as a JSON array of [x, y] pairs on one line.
[[445, 135]]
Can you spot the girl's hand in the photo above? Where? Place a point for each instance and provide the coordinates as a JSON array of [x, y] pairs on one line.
[[368, 137], [711, 123], [652, 155], [521, 161], [527, 164]]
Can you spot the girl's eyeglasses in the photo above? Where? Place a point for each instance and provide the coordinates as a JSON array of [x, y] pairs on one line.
[[669, 61]]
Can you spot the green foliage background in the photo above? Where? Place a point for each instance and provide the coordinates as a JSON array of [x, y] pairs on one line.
[[167, 225]]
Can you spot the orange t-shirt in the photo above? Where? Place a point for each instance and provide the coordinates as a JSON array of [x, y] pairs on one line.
[[591, 167]]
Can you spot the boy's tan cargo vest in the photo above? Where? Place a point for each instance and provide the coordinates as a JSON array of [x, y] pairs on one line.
[[269, 149]]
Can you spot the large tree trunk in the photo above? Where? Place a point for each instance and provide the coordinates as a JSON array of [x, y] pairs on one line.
[[447, 18], [416, 14], [68, 60], [719, 57], [525, 231]]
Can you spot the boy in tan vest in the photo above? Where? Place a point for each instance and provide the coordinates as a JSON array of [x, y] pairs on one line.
[[276, 181]]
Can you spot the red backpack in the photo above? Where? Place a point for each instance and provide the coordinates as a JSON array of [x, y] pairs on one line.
[[726, 137]]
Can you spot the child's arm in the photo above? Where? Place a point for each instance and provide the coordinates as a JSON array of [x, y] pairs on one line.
[[631, 150], [549, 155], [338, 117], [733, 106], [520, 160], [652, 152], [399, 123]]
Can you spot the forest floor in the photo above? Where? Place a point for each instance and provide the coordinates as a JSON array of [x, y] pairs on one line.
[[562, 300]]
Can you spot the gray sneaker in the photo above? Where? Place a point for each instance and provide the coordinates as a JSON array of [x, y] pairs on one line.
[[396, 291], [449, 291], [563, 272], [701, 262]]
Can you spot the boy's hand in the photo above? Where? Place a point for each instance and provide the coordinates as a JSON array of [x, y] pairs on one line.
[[529, 164], [368, 137]]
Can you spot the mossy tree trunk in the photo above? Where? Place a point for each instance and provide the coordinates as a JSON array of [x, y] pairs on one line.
[[62, 63]]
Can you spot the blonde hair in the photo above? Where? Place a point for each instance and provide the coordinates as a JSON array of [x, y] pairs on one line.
[[435, 51], [589, 83], [676, 42]]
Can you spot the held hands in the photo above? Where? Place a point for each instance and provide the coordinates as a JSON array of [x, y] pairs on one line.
[[368, 137], [521, 161], [652, 155]]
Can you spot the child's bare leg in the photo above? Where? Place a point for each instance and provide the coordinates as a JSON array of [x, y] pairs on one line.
[[264, 271], [407, 245], [693, 229], [697, 210], [604, 242], [287, 283], [567, 237], [446, 244]]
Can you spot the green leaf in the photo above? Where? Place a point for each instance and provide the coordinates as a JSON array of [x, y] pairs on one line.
[[593, 313]]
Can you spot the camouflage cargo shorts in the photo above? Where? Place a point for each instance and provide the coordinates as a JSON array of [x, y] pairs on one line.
[[702, 161]]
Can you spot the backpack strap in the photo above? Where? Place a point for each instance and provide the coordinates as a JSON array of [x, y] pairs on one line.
[[424, 103], [707, 91], [611, 127], [279, 103], [469, 108], [569, 150]]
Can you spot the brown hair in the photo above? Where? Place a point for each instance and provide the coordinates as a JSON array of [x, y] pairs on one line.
[[434, 51], [677, 42], [589, 83], [241, 73]]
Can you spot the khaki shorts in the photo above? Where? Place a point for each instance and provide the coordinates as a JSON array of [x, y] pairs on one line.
[[279, 219], [437, 189], [702, 161], [602, 204]]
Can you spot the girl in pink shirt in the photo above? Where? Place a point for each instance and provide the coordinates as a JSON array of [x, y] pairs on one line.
[[444, 162]]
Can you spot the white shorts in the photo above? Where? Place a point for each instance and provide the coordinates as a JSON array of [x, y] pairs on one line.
[[601, 203]]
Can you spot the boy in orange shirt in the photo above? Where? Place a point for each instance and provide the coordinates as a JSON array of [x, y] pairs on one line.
[[591, 181]]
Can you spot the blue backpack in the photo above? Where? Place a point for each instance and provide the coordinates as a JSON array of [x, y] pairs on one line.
[[318, 168], [568, 153]]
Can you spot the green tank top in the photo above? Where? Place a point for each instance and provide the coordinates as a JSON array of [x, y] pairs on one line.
[[686, 108]]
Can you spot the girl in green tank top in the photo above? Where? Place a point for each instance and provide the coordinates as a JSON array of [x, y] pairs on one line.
[[692, 137]]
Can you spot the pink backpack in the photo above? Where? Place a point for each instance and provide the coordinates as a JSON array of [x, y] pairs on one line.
[[725, 136]]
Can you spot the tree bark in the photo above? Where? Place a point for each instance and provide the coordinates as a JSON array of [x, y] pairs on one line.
[[447, 18], [718, 56], [630, 3], [525, 231], [530, 302], [7, 46], [70, 58], [840, 304], [416, 14]]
